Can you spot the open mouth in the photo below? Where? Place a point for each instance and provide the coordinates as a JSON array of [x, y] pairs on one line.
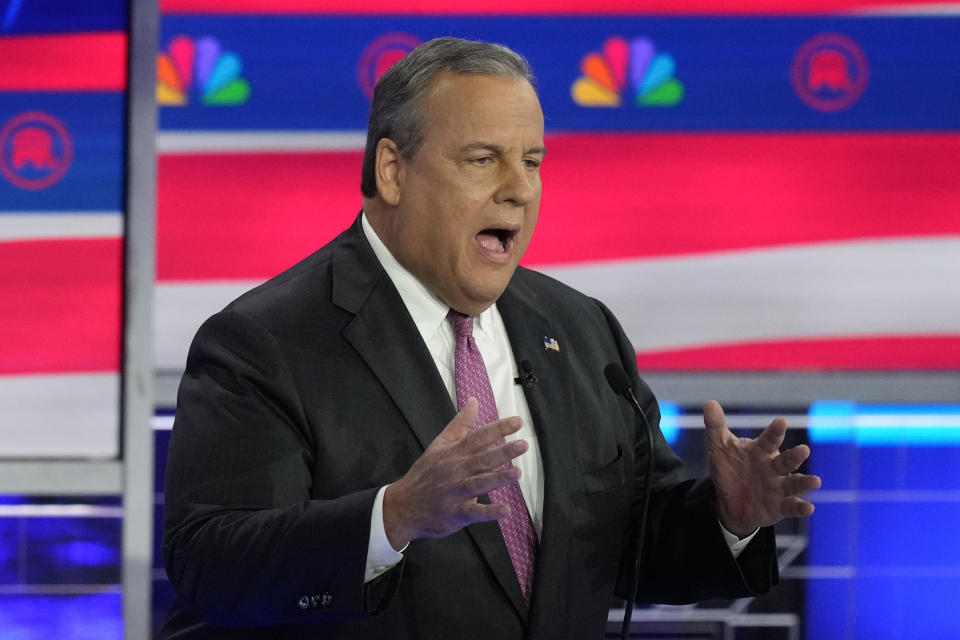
[[496, 240]]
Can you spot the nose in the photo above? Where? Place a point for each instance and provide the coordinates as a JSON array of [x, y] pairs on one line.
[[518, 184]]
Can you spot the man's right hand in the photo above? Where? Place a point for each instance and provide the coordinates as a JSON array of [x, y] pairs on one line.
[[438, 495]]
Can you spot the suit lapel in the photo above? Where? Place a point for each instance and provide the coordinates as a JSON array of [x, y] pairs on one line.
[[551, 407], [386, 338]]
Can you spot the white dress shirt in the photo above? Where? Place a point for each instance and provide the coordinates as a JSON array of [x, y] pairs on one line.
[[429, 314]]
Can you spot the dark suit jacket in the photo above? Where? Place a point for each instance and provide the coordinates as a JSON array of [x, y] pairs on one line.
[[310, 392]]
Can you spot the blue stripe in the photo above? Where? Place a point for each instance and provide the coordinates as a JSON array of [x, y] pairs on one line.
[[63, 16], [94, 179], [13, 9], [735, 72]]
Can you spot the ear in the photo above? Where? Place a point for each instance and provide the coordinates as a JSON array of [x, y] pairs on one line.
[[387, 171]]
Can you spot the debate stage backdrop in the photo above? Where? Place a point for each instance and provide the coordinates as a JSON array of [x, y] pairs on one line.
[[750, 187], [771, 193]]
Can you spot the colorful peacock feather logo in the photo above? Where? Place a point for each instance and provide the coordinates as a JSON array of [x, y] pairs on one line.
[[203, 68], [606, 75]]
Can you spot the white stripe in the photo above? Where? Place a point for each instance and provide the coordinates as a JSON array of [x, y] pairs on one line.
[[59, 589], [60, 416], [920, 9], [59, 511], [172, 142], [179, 310], [907, 421], [755, 421], [878, 495], [900, 572], [684, 613], [820, 573], [161, 423], [856, 288], [36, 225], [843, 288]]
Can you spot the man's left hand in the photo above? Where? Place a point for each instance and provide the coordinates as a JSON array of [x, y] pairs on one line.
[[755, 482]]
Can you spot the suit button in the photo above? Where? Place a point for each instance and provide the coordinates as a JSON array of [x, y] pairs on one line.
[[315, 601], [326, 600], [303, 602]]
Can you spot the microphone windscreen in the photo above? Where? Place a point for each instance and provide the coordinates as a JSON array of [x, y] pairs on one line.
[[617, 378]]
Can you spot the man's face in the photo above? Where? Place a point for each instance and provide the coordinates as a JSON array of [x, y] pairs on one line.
[[468, 199]]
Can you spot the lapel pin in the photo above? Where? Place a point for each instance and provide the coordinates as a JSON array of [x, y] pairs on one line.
[[551, 343]]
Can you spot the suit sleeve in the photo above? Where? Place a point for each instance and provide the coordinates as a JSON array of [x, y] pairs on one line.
[[685, 557], [244, 541]]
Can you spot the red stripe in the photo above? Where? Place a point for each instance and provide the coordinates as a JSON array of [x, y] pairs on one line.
[[528, 7], [73, 62], [620, 196], [605, 197], [60, 306], [250, 215], [884, 353]]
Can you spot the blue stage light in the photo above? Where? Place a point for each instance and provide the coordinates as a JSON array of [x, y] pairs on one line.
[[884, 425]]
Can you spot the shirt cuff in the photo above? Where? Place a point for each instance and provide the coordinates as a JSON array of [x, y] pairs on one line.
[[736, 544], [381, 556]]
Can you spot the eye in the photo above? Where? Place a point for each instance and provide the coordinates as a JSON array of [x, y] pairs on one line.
[[481, 161], [531, 163]]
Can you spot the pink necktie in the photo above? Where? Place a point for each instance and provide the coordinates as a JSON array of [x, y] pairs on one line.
[[472, 380]]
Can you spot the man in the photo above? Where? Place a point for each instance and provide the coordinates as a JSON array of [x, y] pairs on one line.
[[321, 480]]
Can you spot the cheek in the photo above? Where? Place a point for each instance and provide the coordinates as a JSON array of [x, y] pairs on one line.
[[445, 242], [532, 214], [530, 222]]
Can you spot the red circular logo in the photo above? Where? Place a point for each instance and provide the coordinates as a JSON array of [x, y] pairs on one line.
[[830, 72], [380, 55], [35, 150]]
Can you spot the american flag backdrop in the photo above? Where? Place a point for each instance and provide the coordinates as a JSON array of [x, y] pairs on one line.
[[749, 185], [797, 208], [63, 86]]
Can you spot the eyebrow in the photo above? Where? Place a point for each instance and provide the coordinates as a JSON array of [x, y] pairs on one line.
[[495, 148]]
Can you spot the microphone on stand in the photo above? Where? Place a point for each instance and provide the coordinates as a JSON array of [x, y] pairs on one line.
[[620, 383]]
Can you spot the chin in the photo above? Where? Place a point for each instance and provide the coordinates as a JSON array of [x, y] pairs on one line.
[[486, 287], [489, 296]]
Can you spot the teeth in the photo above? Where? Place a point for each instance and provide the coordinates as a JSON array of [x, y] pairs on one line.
[[495, 240], [490, 242]]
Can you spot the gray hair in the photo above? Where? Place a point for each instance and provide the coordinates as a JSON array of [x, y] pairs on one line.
[[396, 111]]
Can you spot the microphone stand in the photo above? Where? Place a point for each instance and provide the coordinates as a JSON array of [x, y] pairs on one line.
[[621, 385]]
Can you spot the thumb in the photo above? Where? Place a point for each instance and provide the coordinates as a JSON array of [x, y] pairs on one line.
[[462, 422], [715, 421]]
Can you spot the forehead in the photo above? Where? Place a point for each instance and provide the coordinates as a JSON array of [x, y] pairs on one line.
[[471, 105]]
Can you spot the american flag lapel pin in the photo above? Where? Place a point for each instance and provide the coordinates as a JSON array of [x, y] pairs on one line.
[[551, 343]]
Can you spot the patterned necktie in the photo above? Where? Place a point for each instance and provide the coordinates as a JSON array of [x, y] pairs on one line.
[[472, 380]]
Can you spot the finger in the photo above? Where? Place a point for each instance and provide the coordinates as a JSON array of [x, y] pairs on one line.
[[486, 482], [713, 417], [472, 511], [791, 459], [497, 456], [771, 438], [716, 422], [794, 507], [799, 483], [482, 437], [461, 424]]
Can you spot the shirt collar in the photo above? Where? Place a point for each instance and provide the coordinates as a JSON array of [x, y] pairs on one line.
[[428, 311]]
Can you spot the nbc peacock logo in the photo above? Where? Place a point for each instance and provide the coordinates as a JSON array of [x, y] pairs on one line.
[[200, 68], [632, 71]]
